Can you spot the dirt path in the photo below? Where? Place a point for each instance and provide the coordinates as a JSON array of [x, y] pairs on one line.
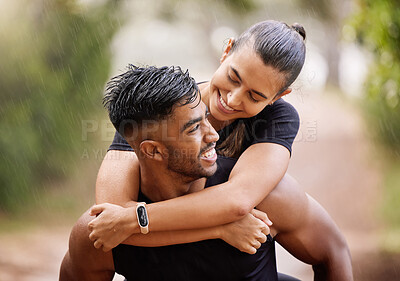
[[332, 160]]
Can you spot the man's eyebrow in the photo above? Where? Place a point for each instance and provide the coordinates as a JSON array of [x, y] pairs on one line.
[[190, 123], [254, 91]]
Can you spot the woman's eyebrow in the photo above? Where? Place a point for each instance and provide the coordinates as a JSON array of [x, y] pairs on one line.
[[240, 79], [237, 73], [260, 94]]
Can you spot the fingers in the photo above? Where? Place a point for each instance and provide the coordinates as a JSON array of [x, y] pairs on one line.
[[262, 216], [97, 209], [250, 250], [106, 249], [93, 236], [97, 244], [256, 244], [265, 229], [92, 224], [262, 238]]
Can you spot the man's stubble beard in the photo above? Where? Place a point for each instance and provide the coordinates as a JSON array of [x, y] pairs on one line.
[[187, 167]]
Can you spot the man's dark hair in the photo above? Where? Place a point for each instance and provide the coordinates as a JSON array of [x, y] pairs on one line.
[[147, 94]]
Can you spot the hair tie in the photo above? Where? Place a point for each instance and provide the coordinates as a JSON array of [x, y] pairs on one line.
[[300, 29]]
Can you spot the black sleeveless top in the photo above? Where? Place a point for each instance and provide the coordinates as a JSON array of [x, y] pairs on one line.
[[202, 261]]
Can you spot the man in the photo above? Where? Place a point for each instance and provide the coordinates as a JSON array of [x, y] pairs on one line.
[[159, 113]]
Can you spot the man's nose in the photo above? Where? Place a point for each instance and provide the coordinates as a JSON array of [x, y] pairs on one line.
[[211, 135]]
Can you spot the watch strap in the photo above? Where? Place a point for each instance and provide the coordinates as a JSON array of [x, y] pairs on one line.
[[141, 215]]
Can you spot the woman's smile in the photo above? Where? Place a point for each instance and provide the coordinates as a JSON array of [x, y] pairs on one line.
[[223, 107]]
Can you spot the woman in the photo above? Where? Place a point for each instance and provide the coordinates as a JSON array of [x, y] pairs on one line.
[[254, 125]]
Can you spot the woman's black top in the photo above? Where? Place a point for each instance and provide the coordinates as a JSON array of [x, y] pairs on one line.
[[277, 123]]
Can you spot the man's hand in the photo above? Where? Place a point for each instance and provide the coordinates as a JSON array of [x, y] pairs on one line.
[[248, 233], [112, 225]]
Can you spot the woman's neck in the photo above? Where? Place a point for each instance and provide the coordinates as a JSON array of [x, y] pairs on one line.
[[205, 97]]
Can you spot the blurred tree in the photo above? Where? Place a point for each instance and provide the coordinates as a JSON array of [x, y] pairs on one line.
[[377, 26], [331, 14], [208, 14], [55, 60]]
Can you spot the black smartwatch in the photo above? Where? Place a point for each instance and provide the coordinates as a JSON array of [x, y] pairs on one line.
[[143, 220]]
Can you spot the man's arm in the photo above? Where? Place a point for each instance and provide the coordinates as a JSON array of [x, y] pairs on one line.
[[82, 261], [306, 230]]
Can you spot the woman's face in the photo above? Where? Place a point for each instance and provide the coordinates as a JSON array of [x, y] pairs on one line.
[[243, 85]]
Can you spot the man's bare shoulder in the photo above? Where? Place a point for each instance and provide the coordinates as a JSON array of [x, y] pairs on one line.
[[83, 261], [286, 205]]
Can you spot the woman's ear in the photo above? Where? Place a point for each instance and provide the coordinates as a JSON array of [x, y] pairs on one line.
[[152, 150], [227, 50], [284, 93]]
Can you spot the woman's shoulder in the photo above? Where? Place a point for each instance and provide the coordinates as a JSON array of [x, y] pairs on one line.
[[280, 109]]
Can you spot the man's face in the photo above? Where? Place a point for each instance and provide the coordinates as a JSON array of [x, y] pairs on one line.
[[192, 153]]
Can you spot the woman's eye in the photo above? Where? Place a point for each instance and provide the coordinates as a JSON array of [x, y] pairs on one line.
[[195, 128], [252, 98], [233, 81]]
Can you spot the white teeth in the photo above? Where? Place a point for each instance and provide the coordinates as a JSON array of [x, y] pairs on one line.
[[209, 154], [225, 105]]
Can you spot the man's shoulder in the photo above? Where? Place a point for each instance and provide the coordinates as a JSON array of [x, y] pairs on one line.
[[285, 205]]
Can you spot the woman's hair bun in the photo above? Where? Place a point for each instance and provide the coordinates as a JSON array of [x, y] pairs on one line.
[[300, 29]]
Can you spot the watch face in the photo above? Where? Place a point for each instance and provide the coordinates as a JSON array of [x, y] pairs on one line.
[[142, 216]]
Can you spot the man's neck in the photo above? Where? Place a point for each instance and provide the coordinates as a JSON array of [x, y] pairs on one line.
[[159, 183]]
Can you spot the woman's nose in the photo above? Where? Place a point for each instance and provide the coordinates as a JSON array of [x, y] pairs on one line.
[[233, 99]]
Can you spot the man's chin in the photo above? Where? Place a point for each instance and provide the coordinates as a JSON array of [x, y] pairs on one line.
[[211, 171]]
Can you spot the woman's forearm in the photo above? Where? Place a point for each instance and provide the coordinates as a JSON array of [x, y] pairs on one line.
[[255, 175], [246, 234], [114, 225], [164, 238]]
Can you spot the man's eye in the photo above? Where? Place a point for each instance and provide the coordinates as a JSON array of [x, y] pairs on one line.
[[195, 128]]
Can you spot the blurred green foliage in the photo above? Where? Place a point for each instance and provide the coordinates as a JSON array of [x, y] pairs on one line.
[[377, 26], [55, 60]]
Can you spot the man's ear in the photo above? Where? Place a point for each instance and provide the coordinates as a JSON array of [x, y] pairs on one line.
[[227, 50], [284, 93], [153, 150]]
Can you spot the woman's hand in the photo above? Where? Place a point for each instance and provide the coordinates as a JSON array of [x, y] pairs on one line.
[[248, 233], [112, 225]]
